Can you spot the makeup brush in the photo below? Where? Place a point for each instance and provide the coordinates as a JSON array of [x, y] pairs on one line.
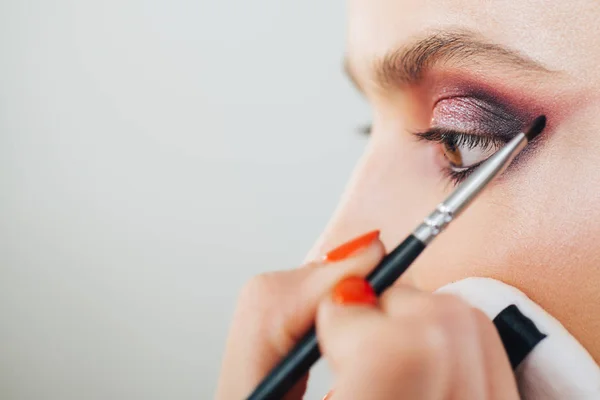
[[306, 352]]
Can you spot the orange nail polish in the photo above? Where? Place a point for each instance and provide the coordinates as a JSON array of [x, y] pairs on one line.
[[354, 290], [347, 249], [328, 395]]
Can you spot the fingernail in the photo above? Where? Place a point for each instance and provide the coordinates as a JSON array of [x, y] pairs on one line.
[[328, 395], [347, 249], [354, 290]]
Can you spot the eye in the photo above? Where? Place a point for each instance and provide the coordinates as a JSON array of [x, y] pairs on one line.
[[469, 129], [462, 151], [466, 151]]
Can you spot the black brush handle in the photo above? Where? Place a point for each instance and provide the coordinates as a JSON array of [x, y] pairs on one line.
[[306, 352], [395, 264], [289, 370]]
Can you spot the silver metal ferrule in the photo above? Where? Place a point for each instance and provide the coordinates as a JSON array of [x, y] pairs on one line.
[[468, 190]]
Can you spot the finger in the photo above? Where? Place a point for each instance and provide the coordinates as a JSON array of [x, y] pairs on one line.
[[498, 375], [285, 301], [346, 318], [372, 356], [301, 292], [377, 357], [455, 322], [276, 309], [465, 362]]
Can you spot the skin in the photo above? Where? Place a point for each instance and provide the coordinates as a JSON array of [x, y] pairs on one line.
[[533, 228]]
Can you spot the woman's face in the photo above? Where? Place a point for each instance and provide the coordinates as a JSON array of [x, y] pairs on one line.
[[448, 82]]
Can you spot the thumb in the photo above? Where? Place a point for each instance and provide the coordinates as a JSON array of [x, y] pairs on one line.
[[276, 309], [290, 298], [549, 362]]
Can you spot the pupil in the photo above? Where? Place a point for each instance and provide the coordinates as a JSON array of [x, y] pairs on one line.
[[452, 153]]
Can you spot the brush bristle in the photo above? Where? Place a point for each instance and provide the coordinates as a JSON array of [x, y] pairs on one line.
[[536, 127]]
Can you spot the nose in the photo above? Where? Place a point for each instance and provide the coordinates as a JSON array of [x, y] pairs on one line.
[[384, 193]]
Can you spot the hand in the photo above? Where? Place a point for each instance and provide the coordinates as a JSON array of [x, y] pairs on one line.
[[409, 345], [275, 310]]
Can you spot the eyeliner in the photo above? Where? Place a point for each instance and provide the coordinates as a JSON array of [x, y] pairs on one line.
[[306, 352]]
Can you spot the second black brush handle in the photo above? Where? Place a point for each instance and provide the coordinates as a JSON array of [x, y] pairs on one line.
[[306, 352]]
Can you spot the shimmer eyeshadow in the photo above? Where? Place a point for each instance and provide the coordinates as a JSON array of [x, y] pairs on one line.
[[477, 116]]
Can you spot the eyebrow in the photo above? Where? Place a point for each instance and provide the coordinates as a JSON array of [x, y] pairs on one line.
[[408, 64]]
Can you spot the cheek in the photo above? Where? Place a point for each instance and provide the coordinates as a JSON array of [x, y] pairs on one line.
[[535, 228], [532, 230], [536, 231]]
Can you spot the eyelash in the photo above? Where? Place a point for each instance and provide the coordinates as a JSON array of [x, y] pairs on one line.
[[458, 139]]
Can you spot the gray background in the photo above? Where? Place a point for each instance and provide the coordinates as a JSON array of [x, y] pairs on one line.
[[153, 156]]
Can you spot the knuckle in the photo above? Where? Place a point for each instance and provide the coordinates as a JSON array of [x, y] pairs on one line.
[[447, 317], [425, 344], [258, 293], [435, 342], [263, 297], [256, 285]]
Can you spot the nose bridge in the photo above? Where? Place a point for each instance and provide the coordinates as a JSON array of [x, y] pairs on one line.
[[349, 218], [383, 193]]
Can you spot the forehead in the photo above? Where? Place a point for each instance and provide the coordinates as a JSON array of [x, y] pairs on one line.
[[545, 33]]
